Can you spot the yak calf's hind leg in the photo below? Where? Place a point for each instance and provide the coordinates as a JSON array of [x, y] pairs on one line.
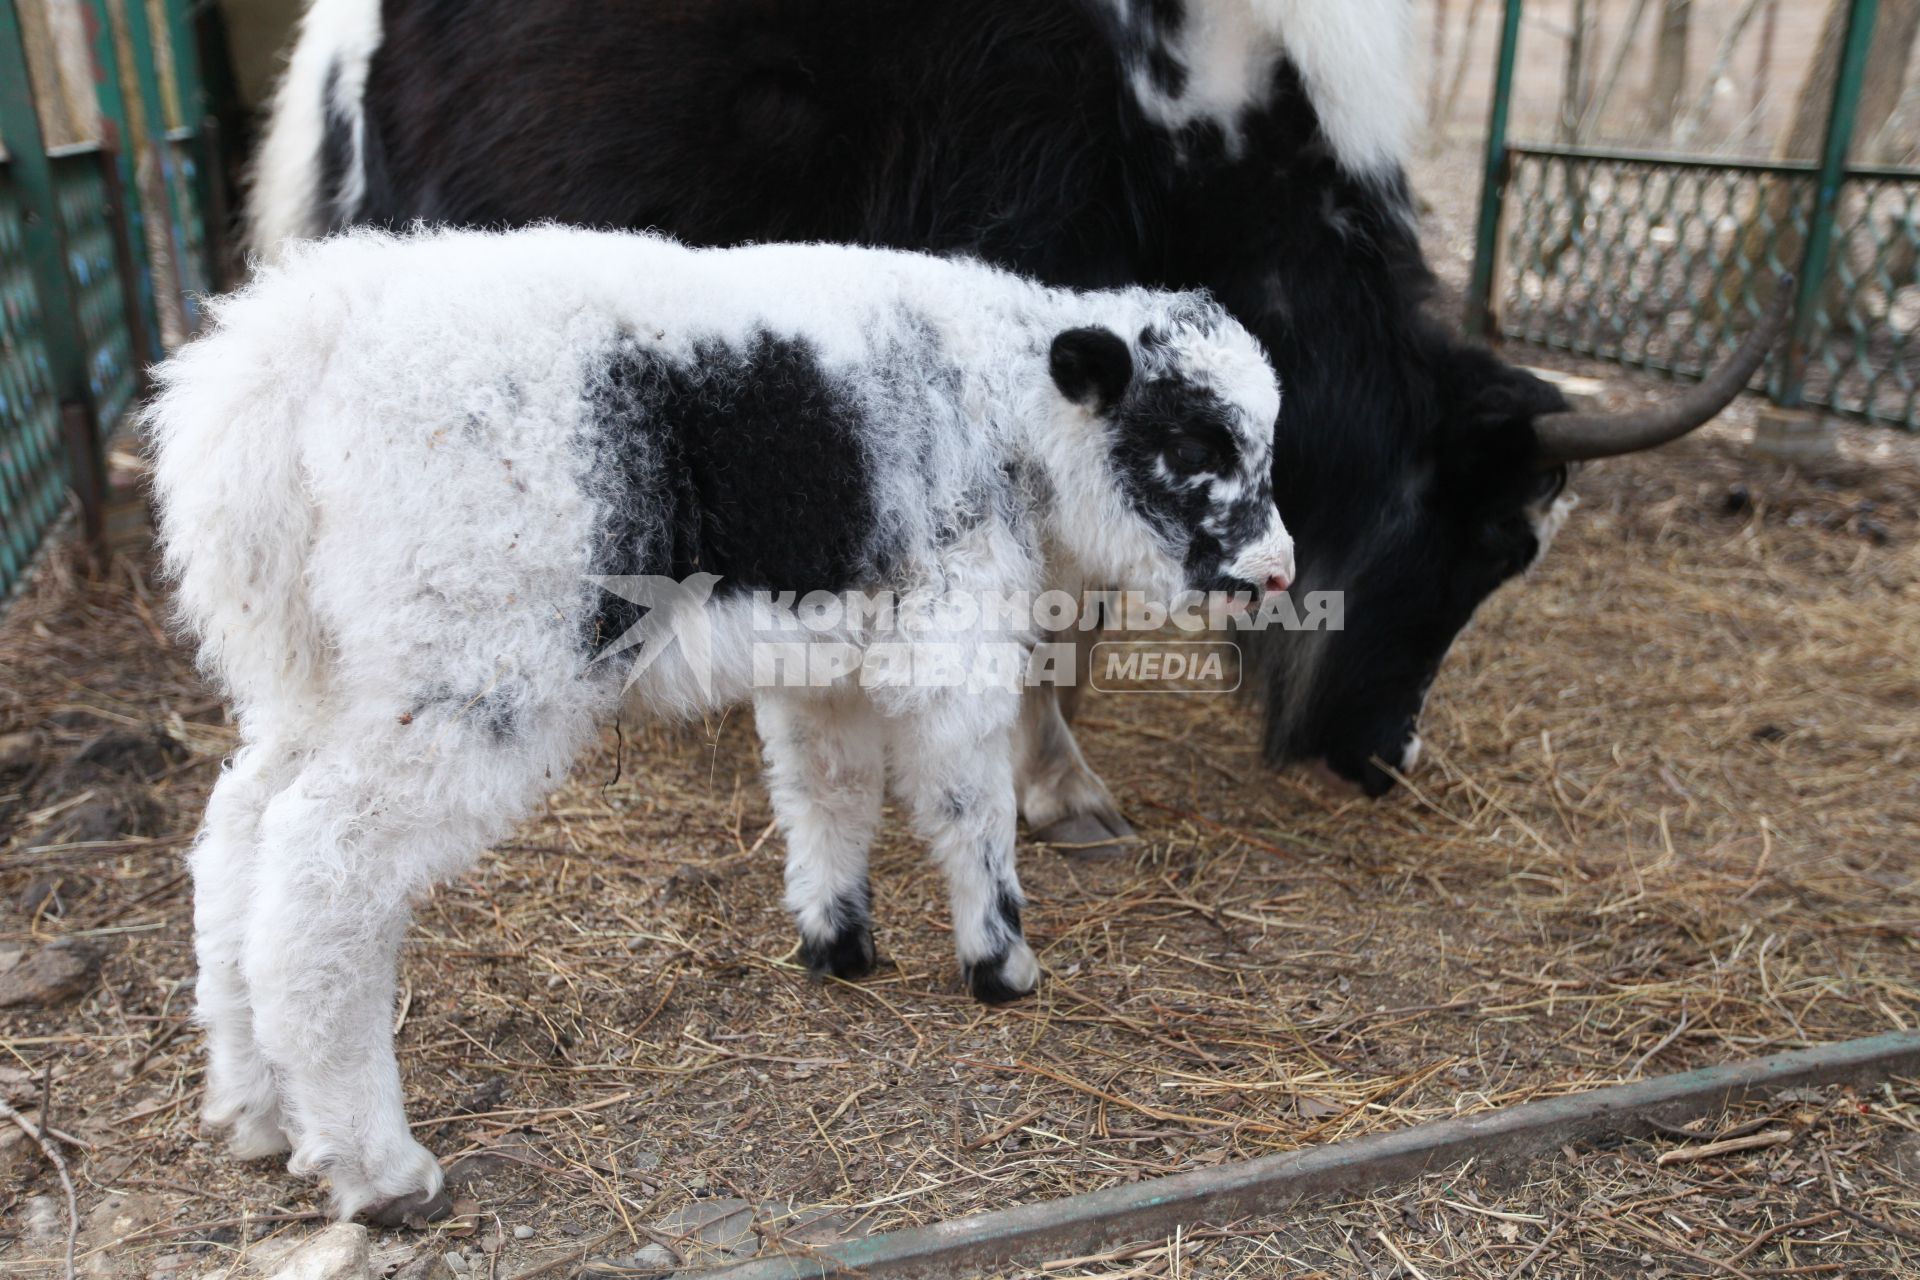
[[826, 772], [957, 776], [240, 1097], [344, 849]]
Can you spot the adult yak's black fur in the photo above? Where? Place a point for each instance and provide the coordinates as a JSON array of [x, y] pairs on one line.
[[1008, 129]]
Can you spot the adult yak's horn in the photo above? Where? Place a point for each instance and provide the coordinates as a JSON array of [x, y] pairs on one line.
[[1581, 437]]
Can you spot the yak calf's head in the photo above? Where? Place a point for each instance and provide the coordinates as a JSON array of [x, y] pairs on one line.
[[1468, 501], [1185, 415]]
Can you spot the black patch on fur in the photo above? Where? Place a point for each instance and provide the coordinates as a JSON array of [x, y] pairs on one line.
[[743, 462], [1091, 367], [984, 983], [1166, 72], [983, 976], [1170, 425], [336, 157], [848, 954], [1008, 907]]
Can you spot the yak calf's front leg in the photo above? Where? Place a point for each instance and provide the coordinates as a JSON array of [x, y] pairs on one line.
[[955, 764], [826, 773]]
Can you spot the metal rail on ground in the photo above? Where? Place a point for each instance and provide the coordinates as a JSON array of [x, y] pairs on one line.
[[1087, 1224]]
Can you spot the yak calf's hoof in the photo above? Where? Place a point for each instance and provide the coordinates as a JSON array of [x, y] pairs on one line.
[[251, 1136], [1088, 835], [1003, 978], [847, 955], [414, 1211]]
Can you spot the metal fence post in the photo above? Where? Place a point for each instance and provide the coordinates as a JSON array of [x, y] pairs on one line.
[[147, 77], [1818, 257], [32, 176], [117, 142], [183, 36], [1493, 188]]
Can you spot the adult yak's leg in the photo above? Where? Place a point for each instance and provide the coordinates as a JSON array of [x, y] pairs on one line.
[[1062, 799]]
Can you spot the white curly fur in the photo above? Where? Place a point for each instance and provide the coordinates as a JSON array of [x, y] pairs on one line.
[[338, 38], [384, 554], [1353, 56]]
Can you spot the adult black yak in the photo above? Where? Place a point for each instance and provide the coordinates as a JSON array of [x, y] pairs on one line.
[[1250, 147]]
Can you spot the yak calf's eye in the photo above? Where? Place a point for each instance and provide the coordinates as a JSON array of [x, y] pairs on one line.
[[1193, 454]]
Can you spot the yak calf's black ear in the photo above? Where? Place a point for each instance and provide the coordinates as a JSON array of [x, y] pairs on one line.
[[1092, 367]]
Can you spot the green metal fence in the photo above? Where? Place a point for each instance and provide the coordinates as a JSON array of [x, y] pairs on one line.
[[79, 313], [100, 296], [33, 463], [1662, 262]]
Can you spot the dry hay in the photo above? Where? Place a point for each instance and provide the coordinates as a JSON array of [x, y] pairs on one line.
[[1671, 823]]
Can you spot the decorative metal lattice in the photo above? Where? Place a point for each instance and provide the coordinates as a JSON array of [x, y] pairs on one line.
[[1664, 263], [33, 462], [87, 231], [1865, 357], [195, 267]]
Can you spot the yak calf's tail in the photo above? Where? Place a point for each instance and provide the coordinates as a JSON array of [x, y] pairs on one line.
[[235, 520]]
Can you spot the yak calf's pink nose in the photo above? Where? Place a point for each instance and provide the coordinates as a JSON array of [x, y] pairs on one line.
[[1277, 583]]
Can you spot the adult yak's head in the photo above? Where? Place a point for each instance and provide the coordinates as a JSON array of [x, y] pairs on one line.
[[1449, 514]]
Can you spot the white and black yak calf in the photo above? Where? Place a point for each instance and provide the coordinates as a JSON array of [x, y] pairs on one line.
[[394, 476]]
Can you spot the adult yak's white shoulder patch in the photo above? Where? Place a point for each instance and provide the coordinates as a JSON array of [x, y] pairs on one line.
[[325, 77], [1352, 55], [1356, 59]]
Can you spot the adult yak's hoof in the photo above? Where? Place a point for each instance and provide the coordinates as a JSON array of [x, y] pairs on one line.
[[1099, 834]]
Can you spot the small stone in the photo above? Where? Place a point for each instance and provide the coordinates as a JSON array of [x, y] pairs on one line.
[[457, 1262], [466, 1218], [813, 1228], [115, 813], [714, 1226], [340, 1252], [17, 1150], [18, 751], [47, 893], [120, 753], [44, 1217], [55, 973], [523, 1232], [485, 1098], [426, 1265], [650, 1258]]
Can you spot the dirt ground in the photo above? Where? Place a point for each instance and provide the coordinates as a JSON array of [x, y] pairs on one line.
[[1670, 820]]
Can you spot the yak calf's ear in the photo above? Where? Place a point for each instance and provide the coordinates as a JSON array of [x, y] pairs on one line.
[[1092, 367]]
